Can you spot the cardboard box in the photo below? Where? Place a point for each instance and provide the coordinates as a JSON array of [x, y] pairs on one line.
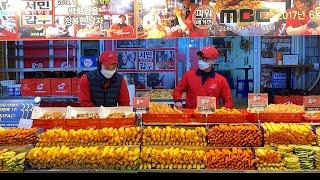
[[41, 87], [75, 86], [61, 87]]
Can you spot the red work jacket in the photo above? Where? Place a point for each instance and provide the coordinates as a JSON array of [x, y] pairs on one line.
[[215, 86]]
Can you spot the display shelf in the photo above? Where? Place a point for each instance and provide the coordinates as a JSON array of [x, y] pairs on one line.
[[37, 69], [87, 69], [42, 46], [175, 124], [79, 171], [170, 101], [48, 56], [288, 66], [42, 97], [45, 69], [202, 171], [59, 97], [288, 69], [197, 171], [162, 100], [145, 71], [16, 97], [195, 124]]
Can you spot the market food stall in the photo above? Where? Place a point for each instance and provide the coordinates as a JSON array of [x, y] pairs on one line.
[[44, 129]]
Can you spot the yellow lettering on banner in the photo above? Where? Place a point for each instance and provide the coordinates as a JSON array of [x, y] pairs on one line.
[[284, 16], [301, 15], [99, 20], [294, 14], [312, 15], [104, 2]]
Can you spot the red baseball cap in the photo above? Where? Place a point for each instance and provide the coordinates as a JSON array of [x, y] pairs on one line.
[[108, 58], [208, 52]]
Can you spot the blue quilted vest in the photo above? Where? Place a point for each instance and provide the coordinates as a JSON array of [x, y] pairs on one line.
[[99, 95]]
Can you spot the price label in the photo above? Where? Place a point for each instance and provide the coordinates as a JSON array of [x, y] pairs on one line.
[[206, 104], [141, 104], [25, 123], [311, 103], [257, 102]]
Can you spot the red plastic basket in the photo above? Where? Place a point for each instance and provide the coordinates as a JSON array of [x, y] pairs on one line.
[[307, 118], [123, 124], [117, 122], [226, 118], [106, 123], [276, 117], [186, 117], [167, 118], [48, 124], [221, 118], [126, 122], [83, 123], [200, 118]]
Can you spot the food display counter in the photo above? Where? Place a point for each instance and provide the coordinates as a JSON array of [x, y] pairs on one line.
[[193, 147]]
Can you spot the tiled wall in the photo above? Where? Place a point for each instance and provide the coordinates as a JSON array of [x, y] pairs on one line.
[[1, 59], [312, 56]]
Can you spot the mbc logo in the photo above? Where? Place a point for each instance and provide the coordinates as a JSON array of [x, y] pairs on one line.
[[243, 15]]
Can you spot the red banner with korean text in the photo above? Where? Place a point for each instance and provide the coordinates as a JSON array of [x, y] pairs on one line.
[[131, 19]]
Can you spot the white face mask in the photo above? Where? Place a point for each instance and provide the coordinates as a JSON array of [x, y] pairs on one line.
[[204, 65], [107, 74]]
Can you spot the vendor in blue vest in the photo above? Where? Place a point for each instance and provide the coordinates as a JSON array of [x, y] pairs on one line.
[[104, 86]]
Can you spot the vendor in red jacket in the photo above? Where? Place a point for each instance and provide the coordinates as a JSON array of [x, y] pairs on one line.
[[203, 82], [104, 86]]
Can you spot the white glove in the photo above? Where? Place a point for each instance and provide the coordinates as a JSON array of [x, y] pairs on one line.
[[178, 104]]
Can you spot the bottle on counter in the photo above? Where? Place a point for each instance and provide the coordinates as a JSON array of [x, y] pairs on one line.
[[279, 58]]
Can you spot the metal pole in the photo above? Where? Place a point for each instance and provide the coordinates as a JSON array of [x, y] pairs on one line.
[[67, 53], [6, 61], [257, 63]]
